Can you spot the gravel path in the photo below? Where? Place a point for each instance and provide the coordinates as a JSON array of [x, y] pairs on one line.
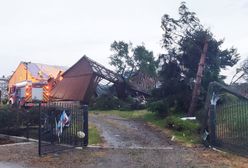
[[9, 165], [122, 133], [25, 155]]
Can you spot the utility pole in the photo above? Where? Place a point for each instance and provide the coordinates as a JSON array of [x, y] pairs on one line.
[[199, 75]]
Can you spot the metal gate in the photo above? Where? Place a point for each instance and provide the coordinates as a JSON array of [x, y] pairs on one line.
[[226, 119], [62, 126], [232, 126]]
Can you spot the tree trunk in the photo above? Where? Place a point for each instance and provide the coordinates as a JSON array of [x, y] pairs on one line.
[[199, 75]]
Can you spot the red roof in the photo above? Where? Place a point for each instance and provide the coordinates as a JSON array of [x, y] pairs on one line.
[[76, 82]]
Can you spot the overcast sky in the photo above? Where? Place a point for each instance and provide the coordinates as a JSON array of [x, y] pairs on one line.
[[59, 32]]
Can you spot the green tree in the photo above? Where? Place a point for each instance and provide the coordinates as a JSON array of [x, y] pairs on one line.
[[183, 41], [128, 60], [144, 60], [121, 58]]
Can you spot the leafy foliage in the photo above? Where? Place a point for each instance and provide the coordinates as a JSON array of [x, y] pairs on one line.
[[107, 102], [7, 119], [183, 41], [110, 102], [5, 101], [160, 107], [186, 126], [12, 117], [121, 59], [128, 60], [144, 60]]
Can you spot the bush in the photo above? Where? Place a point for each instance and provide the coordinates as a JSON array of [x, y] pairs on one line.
[[106, 102], [135, 103], [7, 119], [109, 102], [5, 101], [160, 107], [186, 126], [12, 117]]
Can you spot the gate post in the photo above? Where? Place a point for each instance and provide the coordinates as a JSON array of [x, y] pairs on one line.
[[85, 125], [213, 104]]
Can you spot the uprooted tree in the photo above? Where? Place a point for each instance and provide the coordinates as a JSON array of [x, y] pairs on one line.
[[183, 40]]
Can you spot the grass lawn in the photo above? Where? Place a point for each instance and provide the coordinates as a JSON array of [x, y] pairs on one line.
[[135, 114], [94, 135]]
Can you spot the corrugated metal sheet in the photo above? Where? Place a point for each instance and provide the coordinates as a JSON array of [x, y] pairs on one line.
[[142, 82], [73, 88], [76, 82], [45, 71], [80, 80]]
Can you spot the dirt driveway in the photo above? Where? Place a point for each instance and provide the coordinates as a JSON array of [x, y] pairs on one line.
[[128, 144], [123, 133], [25, 156]]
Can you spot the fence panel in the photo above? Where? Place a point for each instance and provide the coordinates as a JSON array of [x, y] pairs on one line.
[[61, 127], [56, 125], [232, 126]]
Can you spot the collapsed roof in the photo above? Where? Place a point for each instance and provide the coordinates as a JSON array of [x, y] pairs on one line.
[[80, 80], [142, 82], [46, 71], [34, 72]]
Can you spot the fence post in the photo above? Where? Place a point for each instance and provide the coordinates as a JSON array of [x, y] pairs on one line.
[[85, 125], [27, 123], [39, 146], [51, 119]]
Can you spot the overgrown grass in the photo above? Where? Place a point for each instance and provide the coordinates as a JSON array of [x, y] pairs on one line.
[[185, 132], [134, 114], [154, 119], [188, 140], [94, 135]]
